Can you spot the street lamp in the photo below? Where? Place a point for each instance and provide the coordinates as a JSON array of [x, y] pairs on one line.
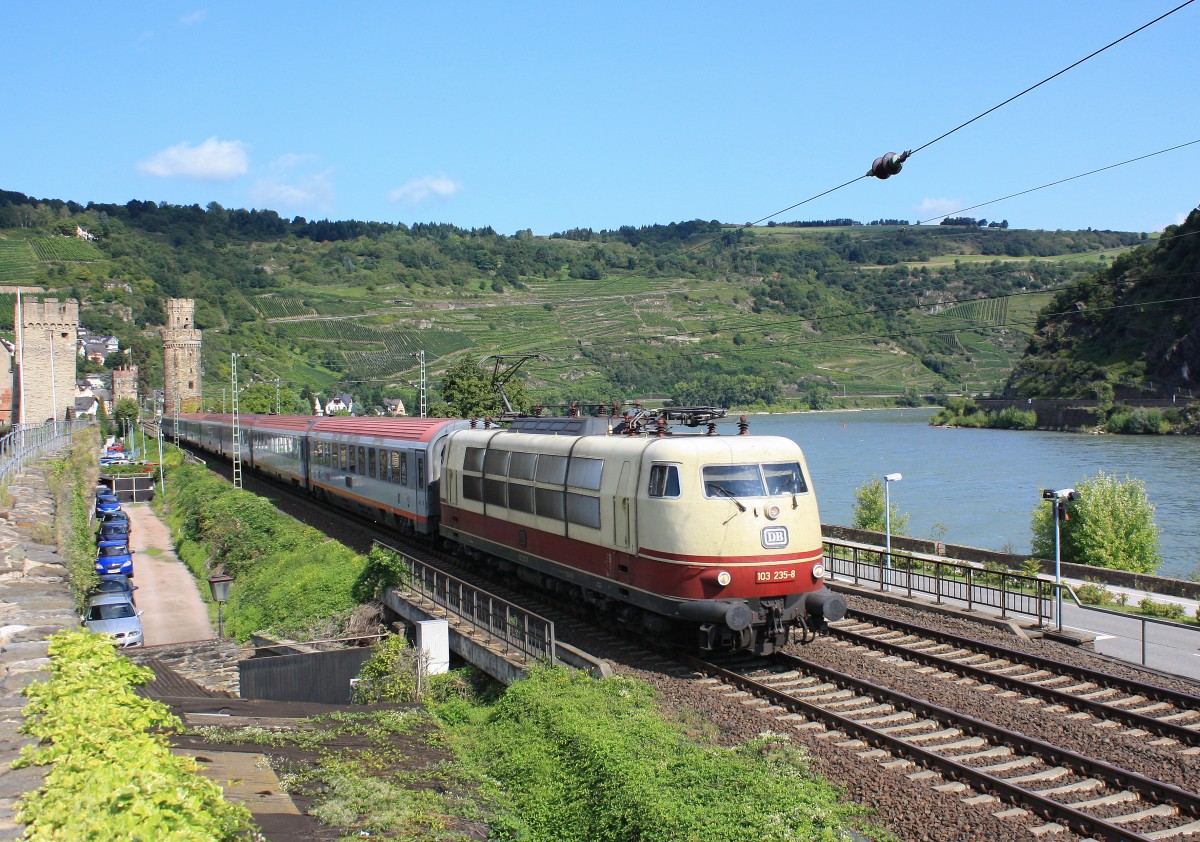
[[219, 585], [887, 519], [1060, 499]]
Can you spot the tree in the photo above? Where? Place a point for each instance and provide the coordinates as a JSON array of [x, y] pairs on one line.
[[869, 500], [125, 414], [468, 391], [1110, 524]]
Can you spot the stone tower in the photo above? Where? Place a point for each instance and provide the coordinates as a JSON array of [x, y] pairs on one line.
[[181, 358], [124, 384], [46, 355]]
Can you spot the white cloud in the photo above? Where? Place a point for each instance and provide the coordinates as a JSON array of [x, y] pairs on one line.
[[292, 187], [213, 160], [935, 209], [420, 189], [194, 17]]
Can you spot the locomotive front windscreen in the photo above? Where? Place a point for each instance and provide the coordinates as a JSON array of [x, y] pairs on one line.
[[768, 480]]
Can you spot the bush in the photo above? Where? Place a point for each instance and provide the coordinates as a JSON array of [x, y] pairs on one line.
[[1111, 524], [1163, 610], [111, 771], [1090, 594]]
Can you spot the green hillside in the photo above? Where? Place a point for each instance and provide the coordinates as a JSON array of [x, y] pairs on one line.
[[783, 315], [1130, 330]]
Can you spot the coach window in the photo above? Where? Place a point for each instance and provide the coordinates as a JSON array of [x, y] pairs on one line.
[[361, 468], [371, 462], [420, 472], [585, 473], [395, 457], [404, 469], [353, 466], [664, 480]]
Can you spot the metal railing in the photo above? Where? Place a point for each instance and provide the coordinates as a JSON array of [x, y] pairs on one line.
[[518, 631], [27, 442], [909, 573]]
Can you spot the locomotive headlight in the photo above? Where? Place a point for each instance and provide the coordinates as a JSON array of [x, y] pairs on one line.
[[818, 571], [717, 577], [771, 512]]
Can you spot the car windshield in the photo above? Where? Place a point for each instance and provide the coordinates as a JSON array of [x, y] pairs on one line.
[[119, 549], [112, 611], [769, 480]]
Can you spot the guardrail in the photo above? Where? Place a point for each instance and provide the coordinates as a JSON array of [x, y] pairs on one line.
[[520, 632], [910, 573], [28, 442]]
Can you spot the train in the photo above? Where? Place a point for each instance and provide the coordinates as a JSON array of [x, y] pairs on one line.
[[650, 518]]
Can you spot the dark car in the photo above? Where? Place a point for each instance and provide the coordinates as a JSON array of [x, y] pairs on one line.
[[117, 530], [115, 583], [115, 517], [113, 557]]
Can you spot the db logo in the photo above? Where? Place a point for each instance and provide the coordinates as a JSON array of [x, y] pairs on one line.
[[774, 537]]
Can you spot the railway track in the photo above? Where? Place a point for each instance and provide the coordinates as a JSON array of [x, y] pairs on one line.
[[1013, 775], [1171, 716]]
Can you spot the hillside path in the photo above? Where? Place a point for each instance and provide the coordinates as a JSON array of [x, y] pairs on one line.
[[173, 610]]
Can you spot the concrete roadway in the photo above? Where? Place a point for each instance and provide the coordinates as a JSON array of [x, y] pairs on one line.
[[172, 609]]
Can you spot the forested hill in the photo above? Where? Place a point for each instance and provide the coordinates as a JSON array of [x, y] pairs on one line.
[[1130, 330], [781, 315]]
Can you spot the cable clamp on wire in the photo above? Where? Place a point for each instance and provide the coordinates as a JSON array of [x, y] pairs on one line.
[[886, 166]]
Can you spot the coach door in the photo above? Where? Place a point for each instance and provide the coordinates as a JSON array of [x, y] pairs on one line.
[[623, 508]]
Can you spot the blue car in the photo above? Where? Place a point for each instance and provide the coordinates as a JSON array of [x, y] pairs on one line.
[[107, 503], [114, 557]]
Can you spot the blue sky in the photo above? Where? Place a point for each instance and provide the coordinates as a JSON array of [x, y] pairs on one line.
[[552, 116]]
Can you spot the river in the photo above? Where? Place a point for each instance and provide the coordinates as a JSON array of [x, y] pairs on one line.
[[982, 485]]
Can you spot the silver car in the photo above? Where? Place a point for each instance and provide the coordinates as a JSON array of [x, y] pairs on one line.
[[114, 614]]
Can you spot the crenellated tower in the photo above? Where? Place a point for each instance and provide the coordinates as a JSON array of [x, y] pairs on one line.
[[181, 357], [45, 359], [125, 384]]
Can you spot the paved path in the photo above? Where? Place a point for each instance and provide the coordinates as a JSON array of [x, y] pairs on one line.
[[172, 609]]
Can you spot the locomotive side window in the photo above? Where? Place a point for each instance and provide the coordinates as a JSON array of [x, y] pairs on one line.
[[520, 497], [371, 462], [495, 463], [785, 478], [550, 503], [585, 473], [732, 481], [495, 492], [473, 459], [551, 469], [521, 465], [472, 488], [664, 481], [583, 510]]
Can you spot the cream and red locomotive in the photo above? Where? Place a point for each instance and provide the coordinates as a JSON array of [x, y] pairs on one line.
[[714, 536]]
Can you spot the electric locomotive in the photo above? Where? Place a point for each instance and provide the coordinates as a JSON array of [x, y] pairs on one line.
[[713, 537]]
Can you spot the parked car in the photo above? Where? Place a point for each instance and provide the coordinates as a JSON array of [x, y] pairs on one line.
[[106, 503], [116, 615], [116, 583], [118, 516], [114, 557], [117, 530]]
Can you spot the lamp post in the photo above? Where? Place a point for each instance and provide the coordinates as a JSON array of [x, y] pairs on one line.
[[1059, 499], [219, 585], [887, 521]]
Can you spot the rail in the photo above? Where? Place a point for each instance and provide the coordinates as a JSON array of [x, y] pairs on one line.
[[528, 635], [28, 442], [975, 587]]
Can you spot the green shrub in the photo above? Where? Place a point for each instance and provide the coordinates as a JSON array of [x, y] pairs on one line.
[[1012, 418], [111, 772], [1163, 610], [1090, 594], [594, 761]]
